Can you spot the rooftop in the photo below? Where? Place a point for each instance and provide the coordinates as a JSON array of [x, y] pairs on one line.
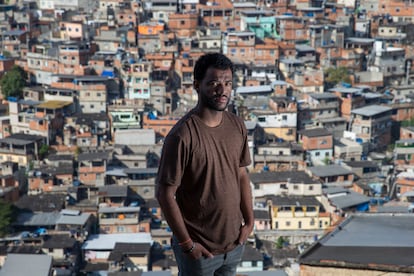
[[329, 170], [369, 241], [371, 110]]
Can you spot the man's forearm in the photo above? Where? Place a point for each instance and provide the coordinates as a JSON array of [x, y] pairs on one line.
[[246, 204], [172, 214]]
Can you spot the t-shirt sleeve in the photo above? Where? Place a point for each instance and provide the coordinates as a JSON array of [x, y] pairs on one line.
[[173, 161], [245, 158]]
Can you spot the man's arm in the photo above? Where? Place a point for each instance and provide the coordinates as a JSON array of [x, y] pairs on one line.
[[172, 213], [246, 205]]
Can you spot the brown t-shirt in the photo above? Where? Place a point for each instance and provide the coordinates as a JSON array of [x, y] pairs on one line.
[[204, 162]]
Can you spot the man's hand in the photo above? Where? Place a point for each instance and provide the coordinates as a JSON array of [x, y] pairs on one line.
[[245, 231], [199, 251]]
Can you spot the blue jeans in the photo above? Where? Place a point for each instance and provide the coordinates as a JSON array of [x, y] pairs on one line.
[[220, 265]]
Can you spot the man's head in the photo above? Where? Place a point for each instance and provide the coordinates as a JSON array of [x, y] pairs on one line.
[[215, 60], [213, 81]]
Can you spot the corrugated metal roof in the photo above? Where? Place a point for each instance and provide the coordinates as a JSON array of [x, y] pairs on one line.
[[367, 241], [323, 95], [27, 264], [351, 199], [329, 170], [254, 89], [37, 219], [371, 110], [315, 132], [108, 241], [80, 219], [304, 47], [388, 230]]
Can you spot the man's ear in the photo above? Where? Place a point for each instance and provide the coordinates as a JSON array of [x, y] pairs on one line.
[[196, 85]]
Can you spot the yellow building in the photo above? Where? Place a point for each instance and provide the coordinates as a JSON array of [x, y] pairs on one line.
[[297, 213]]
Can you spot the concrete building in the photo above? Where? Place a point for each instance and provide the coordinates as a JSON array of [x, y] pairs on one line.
[[372, 124]]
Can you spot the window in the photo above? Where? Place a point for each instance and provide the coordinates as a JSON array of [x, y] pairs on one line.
[[299, 224], [310, 187], [295, 187], [284, 117], [287, 223]]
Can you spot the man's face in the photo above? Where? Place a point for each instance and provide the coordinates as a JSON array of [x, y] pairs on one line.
[[214, 90]]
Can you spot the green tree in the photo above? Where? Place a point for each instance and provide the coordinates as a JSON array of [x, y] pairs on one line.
[[6, 217], [408, 123], [43, 151], [334, 76], [281, 242], [6, 54], [13, 82]]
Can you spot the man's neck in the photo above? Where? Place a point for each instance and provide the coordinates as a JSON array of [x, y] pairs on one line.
[[211, 118]]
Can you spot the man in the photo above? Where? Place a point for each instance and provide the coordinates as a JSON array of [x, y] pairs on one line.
[[203, 187]]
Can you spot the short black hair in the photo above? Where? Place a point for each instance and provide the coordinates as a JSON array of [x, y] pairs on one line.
[[215, 60]]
